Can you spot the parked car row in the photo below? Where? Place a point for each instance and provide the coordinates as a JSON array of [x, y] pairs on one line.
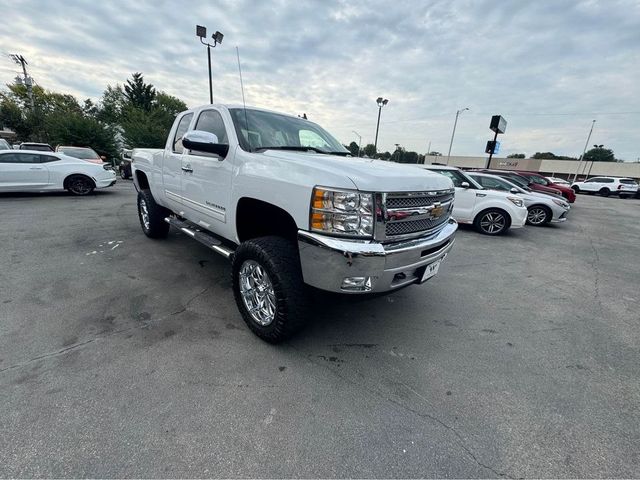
[[495, 203]]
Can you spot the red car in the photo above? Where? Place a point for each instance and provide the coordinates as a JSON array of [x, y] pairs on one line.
[[538, 180], [522, 179]]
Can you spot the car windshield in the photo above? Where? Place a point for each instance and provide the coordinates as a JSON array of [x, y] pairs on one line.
[[458, 178], [627, 181], [35, 146], [521, 182], [81, 153], [257, 129], [4, 145]]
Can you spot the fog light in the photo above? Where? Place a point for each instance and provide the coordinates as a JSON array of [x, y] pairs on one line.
[[356, 284]]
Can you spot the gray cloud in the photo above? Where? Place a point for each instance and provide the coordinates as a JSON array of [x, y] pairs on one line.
[[331, 59]]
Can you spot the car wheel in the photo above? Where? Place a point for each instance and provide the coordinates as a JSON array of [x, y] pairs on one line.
[[605, 192], [152, 216], [492, 222], [538, 215], [79, 185], [268, 287], [576, 188]]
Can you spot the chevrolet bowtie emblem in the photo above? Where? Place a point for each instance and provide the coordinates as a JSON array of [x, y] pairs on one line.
[[437, 211]]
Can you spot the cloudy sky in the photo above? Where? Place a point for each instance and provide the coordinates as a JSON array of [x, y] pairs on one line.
[[549, 67]]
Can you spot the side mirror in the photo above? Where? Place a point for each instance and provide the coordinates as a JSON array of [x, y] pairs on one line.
[[201, 141], [465, 185], [514, 190]]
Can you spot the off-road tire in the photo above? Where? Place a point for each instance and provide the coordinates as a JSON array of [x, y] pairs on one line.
[[484, 215], [153, 225], [280, 259]]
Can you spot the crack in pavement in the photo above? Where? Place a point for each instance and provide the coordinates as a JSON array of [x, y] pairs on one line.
[[75, 346], [428, 416]]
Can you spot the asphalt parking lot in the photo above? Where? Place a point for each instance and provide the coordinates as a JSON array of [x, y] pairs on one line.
[[126, 357]]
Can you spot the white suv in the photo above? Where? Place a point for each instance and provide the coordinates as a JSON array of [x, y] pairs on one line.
[[489, 211], [605, 186]]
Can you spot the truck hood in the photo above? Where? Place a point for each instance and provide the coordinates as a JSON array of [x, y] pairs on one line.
[[367, 174]]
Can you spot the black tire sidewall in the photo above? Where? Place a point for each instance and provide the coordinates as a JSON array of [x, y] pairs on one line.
[[605, 192], [85, 179], [279, 257]]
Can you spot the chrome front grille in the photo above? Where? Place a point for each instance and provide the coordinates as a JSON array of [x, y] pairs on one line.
[[411, 214]]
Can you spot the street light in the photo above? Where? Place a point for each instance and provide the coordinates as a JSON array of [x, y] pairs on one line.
[[217, 38], [359, 141], [584, 151], [381, 103], [453, 133]]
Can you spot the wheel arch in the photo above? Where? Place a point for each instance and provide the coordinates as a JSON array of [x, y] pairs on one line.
[[256, 218], [487, 209], [65, 182]]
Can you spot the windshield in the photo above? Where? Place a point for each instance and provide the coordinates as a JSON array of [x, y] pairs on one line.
[[77, 152], [458, 178], [257, 130], [36, 146], [521, 182], [4, 145], [627, 181]]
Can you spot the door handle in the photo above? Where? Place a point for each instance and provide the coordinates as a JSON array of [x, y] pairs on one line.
[[35, 168], [481, 194], [187, 168]]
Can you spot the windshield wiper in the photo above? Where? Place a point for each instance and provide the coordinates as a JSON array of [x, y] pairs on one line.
[[297, 148]]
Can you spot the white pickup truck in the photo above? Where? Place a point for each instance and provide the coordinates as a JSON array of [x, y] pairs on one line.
[[288, 205]]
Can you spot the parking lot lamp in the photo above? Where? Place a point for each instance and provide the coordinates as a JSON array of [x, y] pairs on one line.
[[453, 133], [381, 103], [217, 38]]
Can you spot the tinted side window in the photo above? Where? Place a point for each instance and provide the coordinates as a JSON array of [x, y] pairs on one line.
[[491, 183], [627, 181], [593, 180], [608, 180], [180, 131], [20, 158], [211, 121], [48, 158]]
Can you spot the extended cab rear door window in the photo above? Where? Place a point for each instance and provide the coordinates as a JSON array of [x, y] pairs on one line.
[[183, 126]]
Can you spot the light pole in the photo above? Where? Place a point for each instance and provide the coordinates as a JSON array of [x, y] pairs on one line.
[[591, 166], [359, 142], [381, 103], [453, 133], [584, 151], [217, 38]]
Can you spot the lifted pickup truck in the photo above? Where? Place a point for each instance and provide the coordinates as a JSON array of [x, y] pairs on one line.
[[287, 204]]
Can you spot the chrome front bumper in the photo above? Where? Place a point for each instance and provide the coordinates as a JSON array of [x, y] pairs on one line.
[[328, 261]]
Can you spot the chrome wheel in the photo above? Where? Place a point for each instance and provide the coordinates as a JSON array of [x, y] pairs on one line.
[[144, 214], [493, 222], [537, 216], [257, 292]]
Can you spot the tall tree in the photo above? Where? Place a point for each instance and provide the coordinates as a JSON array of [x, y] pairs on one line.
[[516, 155], [369, 150], [353, 148], [599, 155], [139, 94]]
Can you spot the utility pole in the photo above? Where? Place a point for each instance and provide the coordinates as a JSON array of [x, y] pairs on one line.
[[584, 151], [428, 152], [453, 133], [28, 81]]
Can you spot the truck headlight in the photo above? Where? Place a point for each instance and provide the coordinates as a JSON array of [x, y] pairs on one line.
[[516, 201], [342, 212]]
